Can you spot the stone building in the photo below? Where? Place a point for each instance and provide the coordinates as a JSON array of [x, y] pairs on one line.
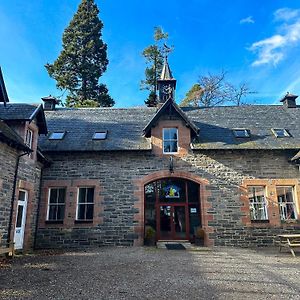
[[105, 176]]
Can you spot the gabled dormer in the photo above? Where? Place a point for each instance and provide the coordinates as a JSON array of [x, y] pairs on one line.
[[170, 130]]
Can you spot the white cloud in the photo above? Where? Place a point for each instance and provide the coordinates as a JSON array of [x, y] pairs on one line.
[[248, 20], [286, 14], [272, 49]]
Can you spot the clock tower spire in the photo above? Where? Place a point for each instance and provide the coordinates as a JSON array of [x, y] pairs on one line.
[[166, 84]]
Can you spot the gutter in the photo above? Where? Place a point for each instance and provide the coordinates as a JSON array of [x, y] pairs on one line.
[[14, 195]]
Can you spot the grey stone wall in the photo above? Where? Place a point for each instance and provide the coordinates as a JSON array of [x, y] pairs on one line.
[[8, 157], [116, 172], [29, 174]]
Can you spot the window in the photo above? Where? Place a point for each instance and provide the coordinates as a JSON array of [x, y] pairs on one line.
[[258, 203], [100, 135], [29, 138], [85, 209], [280, 133], [170, 140], [56, 204], [285, 197], [241, 133], [58, 135]]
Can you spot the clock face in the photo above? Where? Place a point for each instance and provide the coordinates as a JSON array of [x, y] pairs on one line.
[[167, 89]]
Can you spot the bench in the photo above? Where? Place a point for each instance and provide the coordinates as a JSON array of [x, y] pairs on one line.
[[7, 248], [289, 241]]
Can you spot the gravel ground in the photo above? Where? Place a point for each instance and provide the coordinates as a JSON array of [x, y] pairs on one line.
[[149, 273]]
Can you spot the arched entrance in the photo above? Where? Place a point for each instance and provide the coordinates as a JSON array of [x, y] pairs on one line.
[[172, 208]]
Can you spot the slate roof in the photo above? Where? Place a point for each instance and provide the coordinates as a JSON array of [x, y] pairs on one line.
[[125, 128], [10, 137], [24, 112]]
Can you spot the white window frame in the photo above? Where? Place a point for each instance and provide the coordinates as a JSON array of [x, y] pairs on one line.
[[85, 203], [53, 136], [169, 140], [100, 135], [56, 204], [257, 206], [30, 141], [282, 205], [285, 132], [246, 131]]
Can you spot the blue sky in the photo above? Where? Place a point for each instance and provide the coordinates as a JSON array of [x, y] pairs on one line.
[[254, 42]]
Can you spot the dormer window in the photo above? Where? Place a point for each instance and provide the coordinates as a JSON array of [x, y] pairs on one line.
[[29, 138], [57, 135], [100, 135], [241, 133], [170, 140], [280, 132]]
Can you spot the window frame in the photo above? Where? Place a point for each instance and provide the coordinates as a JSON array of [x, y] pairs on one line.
[[30, 142], [56, 204], [263, 203], [101, 132], [285, 131], [57, 132], [169, 140], [85, 203], [293, 202], [246, 131]]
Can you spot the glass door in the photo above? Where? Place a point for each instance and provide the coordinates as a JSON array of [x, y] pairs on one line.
[[179, 222], [165, 222]]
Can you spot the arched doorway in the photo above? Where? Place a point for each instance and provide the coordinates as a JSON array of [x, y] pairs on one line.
[[172, 208]]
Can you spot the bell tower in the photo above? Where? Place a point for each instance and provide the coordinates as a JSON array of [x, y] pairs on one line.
[[166, 84]]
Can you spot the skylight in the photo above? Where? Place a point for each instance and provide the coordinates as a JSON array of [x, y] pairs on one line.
[[100, 135], [241, 133], [280, 132], [57, 135]]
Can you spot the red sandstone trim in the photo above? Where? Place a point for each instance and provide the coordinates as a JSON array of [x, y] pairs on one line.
[[271, 196], [204, 194]]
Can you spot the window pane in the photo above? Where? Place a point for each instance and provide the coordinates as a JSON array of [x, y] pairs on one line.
[[257, 203], [167, 147], [166, 134], [53, 196], [52, 212], [81, 211], [22, 196], [60, 212], [82, 195], [286, 203], [56, 136], [90, 195], [173, 146], [19, 215], [173, 133], [61, 195], [89, 211]]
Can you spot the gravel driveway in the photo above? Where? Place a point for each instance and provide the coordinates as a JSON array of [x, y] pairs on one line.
[[149, 273]]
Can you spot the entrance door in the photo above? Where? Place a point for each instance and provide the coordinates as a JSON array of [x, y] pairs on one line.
[[172, 222], [21, 219]]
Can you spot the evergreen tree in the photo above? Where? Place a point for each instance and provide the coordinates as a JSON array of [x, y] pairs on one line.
[[83, 60], [154, 55]]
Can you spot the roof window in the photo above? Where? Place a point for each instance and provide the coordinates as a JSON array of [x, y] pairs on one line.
[[100, 135], [241, 133], [280, 132], [57, 135]]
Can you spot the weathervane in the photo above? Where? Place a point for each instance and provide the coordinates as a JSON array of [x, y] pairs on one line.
[[167, 50]]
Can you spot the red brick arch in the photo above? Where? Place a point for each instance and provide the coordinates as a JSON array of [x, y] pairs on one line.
[[139, 193]]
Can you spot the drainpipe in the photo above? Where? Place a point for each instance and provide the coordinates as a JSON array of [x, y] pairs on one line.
[[38, 211], [13, 196]]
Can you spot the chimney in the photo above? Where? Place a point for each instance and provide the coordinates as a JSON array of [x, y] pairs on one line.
[[289, 100], [50, 102]]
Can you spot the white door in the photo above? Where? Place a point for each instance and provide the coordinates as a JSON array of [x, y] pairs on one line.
[[21, 219]]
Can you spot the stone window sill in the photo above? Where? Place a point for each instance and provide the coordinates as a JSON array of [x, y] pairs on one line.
[[260, 221], [83, 221], [54, 222]]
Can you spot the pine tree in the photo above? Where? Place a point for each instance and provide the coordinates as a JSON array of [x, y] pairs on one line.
[[83, 60], [154, 55]]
